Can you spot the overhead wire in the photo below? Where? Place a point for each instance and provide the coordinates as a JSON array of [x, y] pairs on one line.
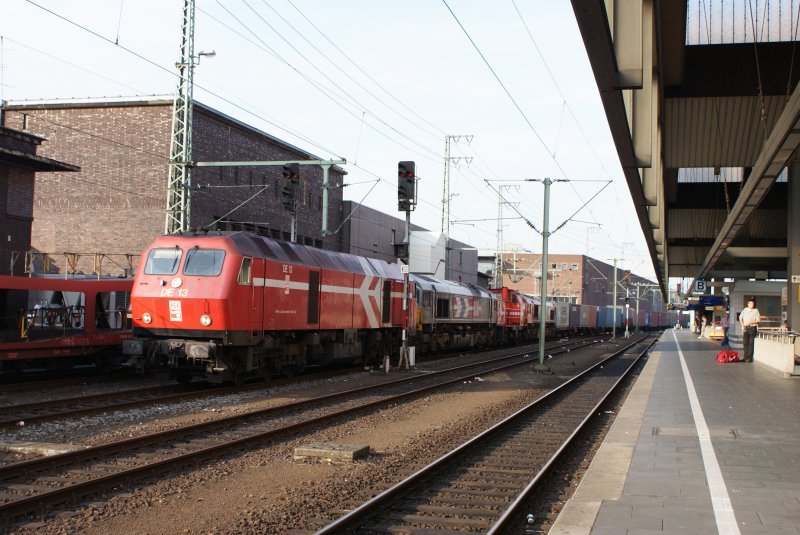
[[249, 111], [362, 71], [358, 104], [344, 72], [511, 98]]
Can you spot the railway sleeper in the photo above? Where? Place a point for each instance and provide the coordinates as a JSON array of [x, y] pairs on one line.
[[453, 510], [472, 501], [441, 521]]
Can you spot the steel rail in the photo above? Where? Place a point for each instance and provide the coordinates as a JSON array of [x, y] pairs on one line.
[[31, 504], [533, 484], [40, 411], [355, 517]]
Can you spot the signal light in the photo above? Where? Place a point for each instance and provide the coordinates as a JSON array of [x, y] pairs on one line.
[[291, 190], [291, 171], [406, 186]]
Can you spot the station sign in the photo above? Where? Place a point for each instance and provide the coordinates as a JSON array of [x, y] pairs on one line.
[[796, 278], [699, 286]]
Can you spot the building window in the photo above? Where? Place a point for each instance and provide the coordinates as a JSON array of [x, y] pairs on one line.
[[563, 267], [574, 267], [554, 266]]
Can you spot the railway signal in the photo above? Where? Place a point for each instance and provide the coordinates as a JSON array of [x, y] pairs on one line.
[[406, 186], [291, 185], [291, 171]]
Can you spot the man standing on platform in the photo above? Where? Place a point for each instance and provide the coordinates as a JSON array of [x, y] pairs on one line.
[[749, 319]]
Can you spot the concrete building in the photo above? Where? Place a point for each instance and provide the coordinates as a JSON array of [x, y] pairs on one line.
[[19, 164], [116, 204]]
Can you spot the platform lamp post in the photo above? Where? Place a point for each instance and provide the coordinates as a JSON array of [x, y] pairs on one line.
[[406, 202]]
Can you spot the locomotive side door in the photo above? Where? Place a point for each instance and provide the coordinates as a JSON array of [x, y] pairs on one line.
[[312, 316], [253, 269]]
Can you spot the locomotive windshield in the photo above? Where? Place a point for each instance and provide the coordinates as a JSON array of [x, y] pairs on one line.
[[204, 262], [163, 261]]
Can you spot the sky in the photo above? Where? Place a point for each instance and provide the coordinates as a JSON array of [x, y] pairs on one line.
[[373, 82]]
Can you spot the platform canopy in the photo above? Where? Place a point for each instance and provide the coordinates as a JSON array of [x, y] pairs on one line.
[[702, 101]]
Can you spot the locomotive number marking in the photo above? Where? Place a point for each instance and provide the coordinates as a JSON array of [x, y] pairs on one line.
[[174, 292], [287, 269]]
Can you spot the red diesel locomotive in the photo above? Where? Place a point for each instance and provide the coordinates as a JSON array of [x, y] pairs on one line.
[[233, 305]]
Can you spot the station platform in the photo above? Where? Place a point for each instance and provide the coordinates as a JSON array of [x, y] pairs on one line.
[[698, 447]]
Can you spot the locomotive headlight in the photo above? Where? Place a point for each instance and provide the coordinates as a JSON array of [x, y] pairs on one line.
[[205, 320], [146, 317]]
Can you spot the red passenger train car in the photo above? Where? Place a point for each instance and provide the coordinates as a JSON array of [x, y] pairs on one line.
[[57, 322], [234, 305]]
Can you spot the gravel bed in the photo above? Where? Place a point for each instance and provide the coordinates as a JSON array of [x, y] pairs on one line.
[[265, 490]]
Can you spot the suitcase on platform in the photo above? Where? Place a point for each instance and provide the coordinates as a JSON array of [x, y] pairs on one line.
[[728, 356]]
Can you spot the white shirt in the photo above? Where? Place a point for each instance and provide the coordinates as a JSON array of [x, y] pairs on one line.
[[749, 316]]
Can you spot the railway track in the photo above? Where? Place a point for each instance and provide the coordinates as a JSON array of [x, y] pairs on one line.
[[71, 407], [39, 485], [10, 383], [480, 486]]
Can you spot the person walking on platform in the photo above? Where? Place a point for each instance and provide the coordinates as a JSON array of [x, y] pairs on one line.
[[724, 323], [749, 319], [704, 323]]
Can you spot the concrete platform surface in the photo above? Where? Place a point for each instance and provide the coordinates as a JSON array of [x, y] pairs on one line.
[[698, 447]]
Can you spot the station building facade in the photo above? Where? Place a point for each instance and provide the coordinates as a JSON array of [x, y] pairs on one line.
[[115, 205]]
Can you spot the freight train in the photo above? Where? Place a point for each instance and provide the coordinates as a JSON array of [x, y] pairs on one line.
[[229, 306]]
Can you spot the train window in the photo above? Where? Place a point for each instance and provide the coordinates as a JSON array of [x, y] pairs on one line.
[[244, 270], [442, 308], [203, 262], [514, 298], [163, 261]]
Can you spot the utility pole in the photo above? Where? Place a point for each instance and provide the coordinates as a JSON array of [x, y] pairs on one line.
[[179, 181], [498, 259], [446, 195], [498, 271], [406, 201], [627, 309], [614, 305], [541, 366], [180, 152]]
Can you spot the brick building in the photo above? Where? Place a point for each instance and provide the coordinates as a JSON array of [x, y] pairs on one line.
[[578, 279], [116, 204], [19, 164]]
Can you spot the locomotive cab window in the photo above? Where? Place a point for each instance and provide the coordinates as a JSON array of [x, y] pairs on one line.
[[204, 262], [163, 261], [245, 271]]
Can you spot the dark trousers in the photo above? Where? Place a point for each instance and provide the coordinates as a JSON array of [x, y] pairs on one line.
[[749, 342]]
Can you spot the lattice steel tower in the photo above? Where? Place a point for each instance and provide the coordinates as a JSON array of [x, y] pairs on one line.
[[180, 152]]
